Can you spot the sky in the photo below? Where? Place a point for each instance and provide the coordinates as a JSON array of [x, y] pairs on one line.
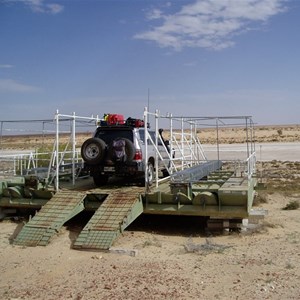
[[185, 57]]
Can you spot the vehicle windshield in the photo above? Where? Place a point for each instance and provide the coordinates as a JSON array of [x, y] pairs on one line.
[[109, 135]]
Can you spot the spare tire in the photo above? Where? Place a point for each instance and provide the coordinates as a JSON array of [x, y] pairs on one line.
[[129, 150], [93, 151]]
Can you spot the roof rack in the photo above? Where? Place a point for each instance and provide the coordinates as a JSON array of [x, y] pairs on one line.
[[113, 120]]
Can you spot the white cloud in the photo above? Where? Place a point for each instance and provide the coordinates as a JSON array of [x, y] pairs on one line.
[[6, 66], [209, 23], [55, 8], [39, 6], [10, 85], [154, 14]]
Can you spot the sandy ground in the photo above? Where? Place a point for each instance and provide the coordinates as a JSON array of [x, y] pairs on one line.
[[175, 257], [255, 264]]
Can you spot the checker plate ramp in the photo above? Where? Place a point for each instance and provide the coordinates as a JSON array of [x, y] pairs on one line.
[[63, 206], [117, 211]]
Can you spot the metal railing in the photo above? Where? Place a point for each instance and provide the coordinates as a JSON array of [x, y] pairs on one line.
[[185, 148], [251, 165], [14, 164], [38, 163]]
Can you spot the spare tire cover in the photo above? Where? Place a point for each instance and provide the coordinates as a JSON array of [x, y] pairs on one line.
[[121, 149], [93, 150]]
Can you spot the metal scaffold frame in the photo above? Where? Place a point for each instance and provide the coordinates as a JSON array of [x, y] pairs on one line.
[[57, 160], [184, 143], [34, 161], [184, 149]]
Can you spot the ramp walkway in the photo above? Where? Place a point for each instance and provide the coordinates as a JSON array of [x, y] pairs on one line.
[[63, 206], [117, 211], [195, 173]]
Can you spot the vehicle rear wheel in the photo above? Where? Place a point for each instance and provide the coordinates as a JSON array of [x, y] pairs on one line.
[[100, 180], [150, 174], [93, 150]]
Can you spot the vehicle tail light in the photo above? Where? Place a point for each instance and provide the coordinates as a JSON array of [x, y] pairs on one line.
[[138, 155]]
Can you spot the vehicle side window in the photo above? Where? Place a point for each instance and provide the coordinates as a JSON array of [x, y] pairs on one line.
[[152, 134]]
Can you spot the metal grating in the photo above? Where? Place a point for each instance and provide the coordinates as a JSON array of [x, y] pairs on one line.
[[59, 209], [197, 172], [111, 218], [96, 239]]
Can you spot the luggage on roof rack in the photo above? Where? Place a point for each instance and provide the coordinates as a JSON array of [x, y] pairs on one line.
[[135, 122], [115, 119]]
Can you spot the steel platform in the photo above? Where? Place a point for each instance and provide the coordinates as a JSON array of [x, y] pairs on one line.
[[117, 211], [63, 206], [221, 196]]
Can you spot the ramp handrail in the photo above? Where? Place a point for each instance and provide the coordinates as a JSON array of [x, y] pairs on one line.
[[182, 152], [185, 142], [251, 163]]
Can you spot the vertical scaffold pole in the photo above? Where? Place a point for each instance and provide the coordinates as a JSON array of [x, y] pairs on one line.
[[171, 145], [57, 152], [73, 148], [218, 145], [182, 145], [247, 138], [146, 145], [191, 144], [156, 145], [1, 133]]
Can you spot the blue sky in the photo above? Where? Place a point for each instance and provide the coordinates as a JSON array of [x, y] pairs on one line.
[[196, 58]]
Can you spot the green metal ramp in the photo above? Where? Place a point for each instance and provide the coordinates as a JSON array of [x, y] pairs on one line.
[[63, 206], [117, 211]]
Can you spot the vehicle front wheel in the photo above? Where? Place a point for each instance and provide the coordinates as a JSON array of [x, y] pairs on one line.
[[150, 174]]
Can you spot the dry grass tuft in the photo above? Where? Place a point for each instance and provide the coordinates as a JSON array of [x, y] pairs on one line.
[[204, 249], [292, 205]]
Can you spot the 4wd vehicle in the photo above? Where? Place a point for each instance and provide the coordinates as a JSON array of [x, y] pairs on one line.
[[118, 148]]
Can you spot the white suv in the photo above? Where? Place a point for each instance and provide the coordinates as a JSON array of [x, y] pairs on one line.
[[120, 150]]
